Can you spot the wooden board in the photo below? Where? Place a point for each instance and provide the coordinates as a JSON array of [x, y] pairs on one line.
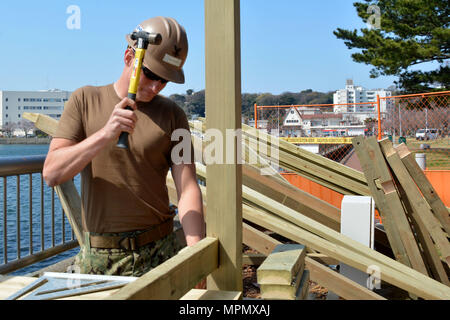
[[430, 254], [282, 265], [425, 187], [258, 240], [388, 202], [295, 291], [11, 284], [319, 273], [174, 278], [223, 110], [253, 259], [292, 197], [198, 294], [392, 272], [340, 285], [421, 212]]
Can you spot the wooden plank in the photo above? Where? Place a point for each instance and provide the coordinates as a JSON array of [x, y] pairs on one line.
[[265, 244], [392, 272], [292, 197], [223, 110], [323, 259], [420, 209], [42, 122], [253, 259], [320, 169], [258, 240], [315, 166], [282, 265], [11, 285], [429, 250], [430, 194], [311, 157], [324, 276], [67, 192], [71, 203], [198, 294], [174, 278], [323, 176], [342, 286], [388, 202], [255, 199], [294, 291]]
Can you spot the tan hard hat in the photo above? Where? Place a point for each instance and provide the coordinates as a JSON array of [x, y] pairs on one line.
[[167, 59]]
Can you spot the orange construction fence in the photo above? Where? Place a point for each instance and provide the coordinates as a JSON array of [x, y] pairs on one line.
[[437, 178]]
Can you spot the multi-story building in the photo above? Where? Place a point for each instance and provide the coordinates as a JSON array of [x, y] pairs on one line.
[[14, 103], [357, 94]]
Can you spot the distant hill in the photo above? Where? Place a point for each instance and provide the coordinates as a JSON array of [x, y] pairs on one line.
[[193, 103]]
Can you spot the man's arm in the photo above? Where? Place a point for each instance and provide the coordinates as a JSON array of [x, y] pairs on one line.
[[190, 204], [66, 158]]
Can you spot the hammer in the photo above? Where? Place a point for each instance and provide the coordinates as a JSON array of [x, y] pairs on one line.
[[143, 40]]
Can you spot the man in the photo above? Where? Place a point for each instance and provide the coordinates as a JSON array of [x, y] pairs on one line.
[[125, 206]]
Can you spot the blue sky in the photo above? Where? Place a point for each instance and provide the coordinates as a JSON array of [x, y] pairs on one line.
[[287, 45]]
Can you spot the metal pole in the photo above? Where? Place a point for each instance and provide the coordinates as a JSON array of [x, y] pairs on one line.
[[379, 117], [5, 222], [18, 217], [256, 116], [30, 195]]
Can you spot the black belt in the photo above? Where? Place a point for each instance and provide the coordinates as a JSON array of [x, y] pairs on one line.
[[132, 242]]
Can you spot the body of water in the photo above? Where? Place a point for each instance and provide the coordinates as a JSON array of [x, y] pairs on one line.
[[24, 205]]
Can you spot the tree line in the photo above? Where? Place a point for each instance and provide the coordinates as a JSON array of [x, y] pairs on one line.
[[193, 103]]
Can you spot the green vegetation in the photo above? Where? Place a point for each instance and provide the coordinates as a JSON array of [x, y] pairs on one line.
[[404, 34], [193, 103], [438, 156]]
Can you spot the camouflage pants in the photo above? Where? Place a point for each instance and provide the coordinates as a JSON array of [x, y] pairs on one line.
[[120, 262]]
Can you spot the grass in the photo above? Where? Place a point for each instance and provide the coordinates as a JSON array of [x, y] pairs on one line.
[[437, 157]]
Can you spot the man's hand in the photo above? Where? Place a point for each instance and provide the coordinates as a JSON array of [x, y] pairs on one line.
[[121, 120]]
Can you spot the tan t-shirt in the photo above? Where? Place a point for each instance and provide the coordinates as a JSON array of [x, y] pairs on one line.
[[123, 190]]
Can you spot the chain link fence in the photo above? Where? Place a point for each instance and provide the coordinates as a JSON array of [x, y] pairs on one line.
[[420, 121]]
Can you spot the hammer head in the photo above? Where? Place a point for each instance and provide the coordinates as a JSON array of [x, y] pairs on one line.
[[147, 37]]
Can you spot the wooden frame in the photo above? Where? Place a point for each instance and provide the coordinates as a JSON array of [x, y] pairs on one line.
[[223, 110], [425, 187], [175, 277], [319, 273], [388, 203]]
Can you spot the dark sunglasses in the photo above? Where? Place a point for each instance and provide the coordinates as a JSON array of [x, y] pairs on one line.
[[151, 76]]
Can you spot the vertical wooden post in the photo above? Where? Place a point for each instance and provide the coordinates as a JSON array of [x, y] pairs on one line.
[[223, 111]]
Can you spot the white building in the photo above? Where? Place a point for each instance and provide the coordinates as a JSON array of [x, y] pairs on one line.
[[321, 124], [14, 103], [357, 94]]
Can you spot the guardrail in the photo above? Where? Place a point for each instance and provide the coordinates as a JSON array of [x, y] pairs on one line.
[[19, 196]]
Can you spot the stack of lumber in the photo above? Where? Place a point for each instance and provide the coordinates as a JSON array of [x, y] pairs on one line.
[[271, 203], [415, 219], [282, 275]]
